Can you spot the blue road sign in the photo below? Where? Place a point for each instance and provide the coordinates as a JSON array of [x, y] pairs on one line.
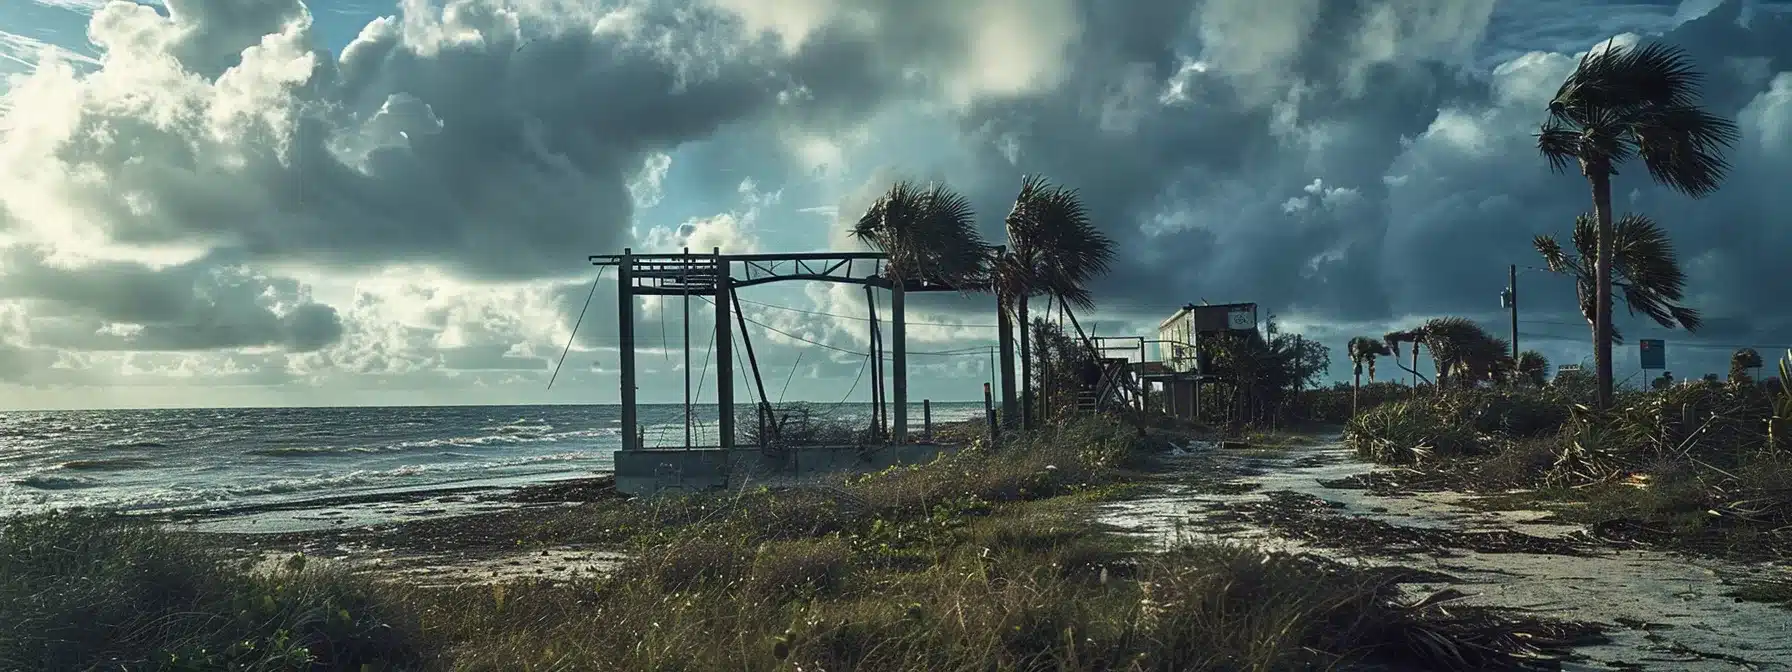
[[1654, 354]]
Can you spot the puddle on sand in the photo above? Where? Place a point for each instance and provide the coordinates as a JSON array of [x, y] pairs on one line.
[[1664, 612]]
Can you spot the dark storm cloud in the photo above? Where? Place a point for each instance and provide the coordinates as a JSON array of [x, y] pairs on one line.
[[1341, 186], [1350, 161], [486, 141], [195, 306]]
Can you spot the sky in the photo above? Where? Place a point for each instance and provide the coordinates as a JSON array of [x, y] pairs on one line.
[[275, 202]]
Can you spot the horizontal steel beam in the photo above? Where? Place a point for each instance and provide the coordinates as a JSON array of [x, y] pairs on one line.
[[614, 259]]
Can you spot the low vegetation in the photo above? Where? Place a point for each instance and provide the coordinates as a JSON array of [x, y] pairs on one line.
[[1698, 466], [986, 560]]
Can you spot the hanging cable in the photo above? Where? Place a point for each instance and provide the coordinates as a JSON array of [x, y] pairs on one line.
[[575, 327], [792, 376]]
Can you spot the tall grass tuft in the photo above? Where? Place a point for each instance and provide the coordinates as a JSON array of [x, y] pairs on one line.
[[88, 591]]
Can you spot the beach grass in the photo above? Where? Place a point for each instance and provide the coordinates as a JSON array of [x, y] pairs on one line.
[[82, 591], [986, 560]]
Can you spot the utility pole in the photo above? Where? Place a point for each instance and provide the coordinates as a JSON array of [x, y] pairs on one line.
[[1512, 304]]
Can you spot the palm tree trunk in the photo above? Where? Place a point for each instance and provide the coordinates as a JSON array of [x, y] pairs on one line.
[[1026, 363], [1414, 369], [1005, 343], [1356, 389], [1601, 179], [1047, 376]]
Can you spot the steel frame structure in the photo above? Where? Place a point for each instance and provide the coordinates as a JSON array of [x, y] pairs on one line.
[[715, 275]]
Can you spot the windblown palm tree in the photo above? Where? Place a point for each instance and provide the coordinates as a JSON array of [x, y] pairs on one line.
[[1532, 367], [930, 234], [1414, 336], [1623, 103], [1644, 269], [1363, 351], [1464, 352], [1054, 250]]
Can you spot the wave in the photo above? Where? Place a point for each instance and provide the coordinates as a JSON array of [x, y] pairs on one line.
[[501, 438], [57, 482], [307, 451], [106, 465], [381, 477], [130, 444]]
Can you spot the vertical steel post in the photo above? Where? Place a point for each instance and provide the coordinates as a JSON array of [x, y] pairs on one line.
[[625, 337], [899, 361], [684, 274], [724, 352]]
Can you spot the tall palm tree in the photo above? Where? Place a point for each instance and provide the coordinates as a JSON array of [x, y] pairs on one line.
[[1622, 103], [1646, 270], [1532, 367], [1362, 351], [930, 235], [1054, 250]]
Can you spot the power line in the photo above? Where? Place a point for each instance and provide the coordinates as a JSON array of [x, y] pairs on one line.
[[1684, 344]]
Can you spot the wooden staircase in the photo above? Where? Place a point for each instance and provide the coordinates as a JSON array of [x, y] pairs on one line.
[[1118, 387]]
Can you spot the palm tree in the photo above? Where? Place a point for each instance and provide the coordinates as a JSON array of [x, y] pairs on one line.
[[1532, 367], [1646, 270], [929, 233], [1741, 361], [1622, 103], [1413, 336], [930, 236], [1054, 250], [1464, 352], [1362, 351]]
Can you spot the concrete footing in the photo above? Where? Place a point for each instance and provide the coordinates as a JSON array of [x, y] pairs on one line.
[[678, 470]]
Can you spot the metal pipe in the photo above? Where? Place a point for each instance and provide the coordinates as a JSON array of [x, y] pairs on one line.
[[877, 371]]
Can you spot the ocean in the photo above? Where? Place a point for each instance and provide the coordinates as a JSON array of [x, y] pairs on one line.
[[217, 460]]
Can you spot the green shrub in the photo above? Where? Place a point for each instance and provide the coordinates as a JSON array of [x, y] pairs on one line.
[[1408, 432]]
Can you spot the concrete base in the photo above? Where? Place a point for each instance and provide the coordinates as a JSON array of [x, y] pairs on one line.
[[677, 470]]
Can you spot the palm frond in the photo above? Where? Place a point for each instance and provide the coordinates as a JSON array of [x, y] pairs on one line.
[[1641, 101], [1682, 146], [1533, 366], [1645, 270], [1560, 144], [929, 233], [1055, 245]]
